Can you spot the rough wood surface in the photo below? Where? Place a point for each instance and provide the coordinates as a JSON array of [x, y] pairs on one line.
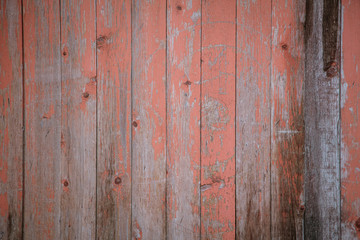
[[183, 119], [114, 119], [350, 122], [149, 119], [11, 120], [287, 119], [179, 119], [322, 116], [78, 119], [42, 61], [218, 119], [253, 119]]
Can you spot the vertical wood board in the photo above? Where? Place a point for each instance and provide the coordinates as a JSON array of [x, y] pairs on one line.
[[287, 119], [11, 120], [322, 119], [42, 61], [218, 35], [114, 119], [149, 119], [78, 119], [350, 123], [253, 119], [183, 119]]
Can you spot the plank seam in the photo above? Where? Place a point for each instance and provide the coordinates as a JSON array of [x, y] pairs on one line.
[[200, 127], [339, 104], [166, 120], [96, 126], [23, 119], [131, 118], [271, 118], [236, 47]]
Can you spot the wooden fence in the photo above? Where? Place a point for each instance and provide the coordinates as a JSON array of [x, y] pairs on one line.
[[179, 119]]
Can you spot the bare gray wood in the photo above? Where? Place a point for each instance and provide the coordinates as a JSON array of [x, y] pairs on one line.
[[322, 116], [78, 119], [42, 61], [114, 119], [11, 120], [253, 119]]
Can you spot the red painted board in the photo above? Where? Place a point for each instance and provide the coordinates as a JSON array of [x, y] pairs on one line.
[[218, 119]]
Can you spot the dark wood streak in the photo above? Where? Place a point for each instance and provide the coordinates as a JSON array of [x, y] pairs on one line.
[[322, 191]]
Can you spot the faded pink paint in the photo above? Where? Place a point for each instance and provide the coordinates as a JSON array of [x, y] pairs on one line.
[[350, 121]]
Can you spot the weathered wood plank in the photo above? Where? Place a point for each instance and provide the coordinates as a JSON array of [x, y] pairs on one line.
[[218, 119], [322, 115], [183, 119], [253, 119], [114, 119], [78, 119], [11, 120], [287, 119], [350, 121], [149, 119], [42, 88]]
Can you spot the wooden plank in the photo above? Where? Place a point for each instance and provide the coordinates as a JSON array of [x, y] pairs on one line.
[[78, 119], [350, 122], [183, 119], [218, 119], [11, 120], [114, 119], [287, 119], [42, 88], [322, 116], [149, 119], [253, 119]]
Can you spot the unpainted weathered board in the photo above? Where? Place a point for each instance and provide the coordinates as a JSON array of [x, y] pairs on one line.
[[218, 42], [350, 122], [253, 119], [78, 119], [11, 120], [322, 120], [42, 86], [287, 119], [148, 119], [114, 119], [183, 119]]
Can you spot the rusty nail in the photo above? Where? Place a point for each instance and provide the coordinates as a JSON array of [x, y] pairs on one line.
[[66, 183], [357, 224], [64, 53], [178, 7], [117, 180], [302, 207], [85, 94], [134, 124]]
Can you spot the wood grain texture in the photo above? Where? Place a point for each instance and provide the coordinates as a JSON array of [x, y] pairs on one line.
[[322, 116], [218, 119], [350, 122], [42, 88], [78, 119], [183, 119], [253, 119], [149, 119], [114, 119], [287, 119], [11, 120]]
